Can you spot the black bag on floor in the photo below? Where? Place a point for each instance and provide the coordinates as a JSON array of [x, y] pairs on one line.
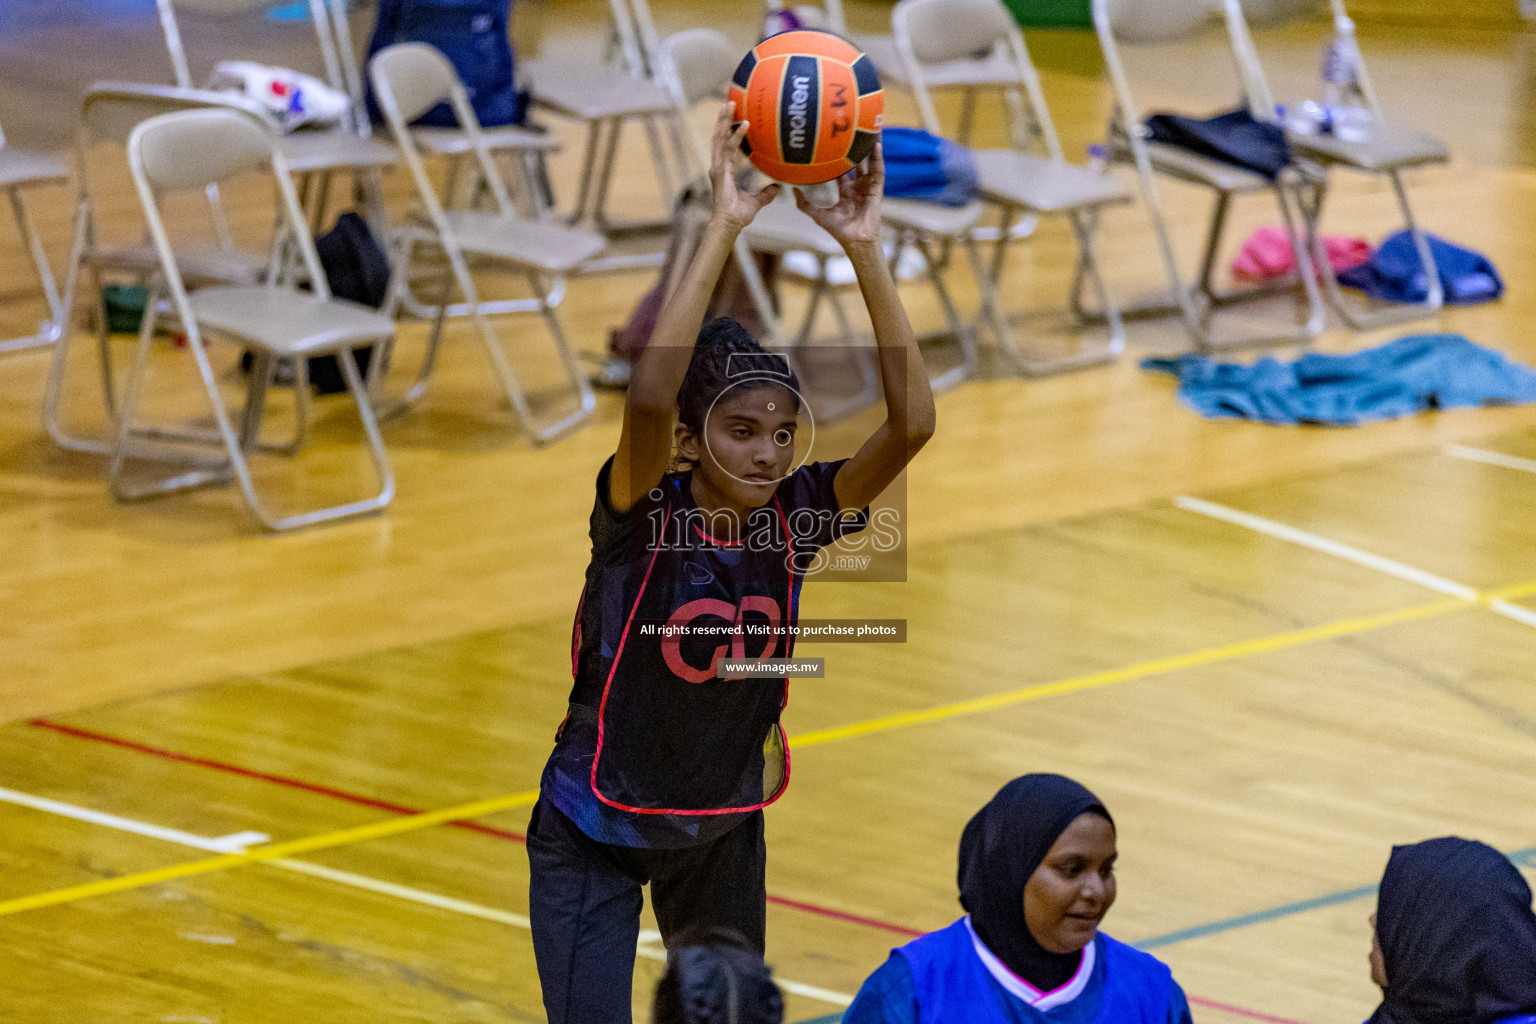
[[355, 268]]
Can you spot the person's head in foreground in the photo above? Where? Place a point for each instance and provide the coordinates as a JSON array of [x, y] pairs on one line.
[[737, 415], [1037, 876], [715, 977], [1455, 937]]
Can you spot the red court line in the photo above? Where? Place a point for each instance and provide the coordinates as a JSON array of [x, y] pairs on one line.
[[843, 915], [386, 805], [251, 773], [509, 835], [1240, 1012]]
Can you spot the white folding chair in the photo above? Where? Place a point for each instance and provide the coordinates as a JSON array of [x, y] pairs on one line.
[[828, 15], [408, 79], [313, 155], [190, 150], [1162, 23], [1389, 149], [938, 33], [108, 115], [334, 30], [20, 170], [605, 98]]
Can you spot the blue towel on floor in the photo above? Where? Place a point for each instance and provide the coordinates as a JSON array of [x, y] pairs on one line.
[[1394, 273], [1403, 377]]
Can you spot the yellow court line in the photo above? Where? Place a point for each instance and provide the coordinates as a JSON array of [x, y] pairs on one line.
[[272, 851], [1513, 593], [1275, 642]]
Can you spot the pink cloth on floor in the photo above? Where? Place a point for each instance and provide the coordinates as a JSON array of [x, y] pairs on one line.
[[1267, 255]]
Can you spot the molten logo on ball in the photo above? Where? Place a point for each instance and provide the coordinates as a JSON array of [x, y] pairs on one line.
[[798, 115], [815, 104]]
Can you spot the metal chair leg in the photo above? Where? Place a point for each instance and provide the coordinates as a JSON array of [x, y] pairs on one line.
[[507, 376], [53, 394], [762, 299], [1353, 312], [952, 319], [869, 392], [386, 409], [1196, 315], [51, 329], [597, 139], [358, 389], [990, 280], [197, 473], [236, 444], [586, 402]]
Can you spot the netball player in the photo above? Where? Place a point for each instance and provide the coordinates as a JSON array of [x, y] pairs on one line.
[[1037, 876], [1454, 937], [661, 769]]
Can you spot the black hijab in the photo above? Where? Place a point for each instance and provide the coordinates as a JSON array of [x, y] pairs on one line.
[[1457, 935], [1000, 848], [715, 977]]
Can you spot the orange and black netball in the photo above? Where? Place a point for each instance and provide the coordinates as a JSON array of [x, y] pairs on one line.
[[814, 102]]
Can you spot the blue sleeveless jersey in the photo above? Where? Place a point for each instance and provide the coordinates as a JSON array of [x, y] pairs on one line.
[[953, 986]]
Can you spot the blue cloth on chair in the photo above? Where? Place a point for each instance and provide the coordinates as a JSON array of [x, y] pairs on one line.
[[1395, 274], [919, 165], [1400, 378], [1236, 138]]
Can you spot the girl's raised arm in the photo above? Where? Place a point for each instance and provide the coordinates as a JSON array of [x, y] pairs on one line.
[[909, 418], [645, 442]]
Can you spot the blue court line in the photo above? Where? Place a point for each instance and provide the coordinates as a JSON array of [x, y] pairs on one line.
[[1526, 857], [1199, 931]]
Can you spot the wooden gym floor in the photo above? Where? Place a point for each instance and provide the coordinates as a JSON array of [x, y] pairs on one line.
[[1274, 652]]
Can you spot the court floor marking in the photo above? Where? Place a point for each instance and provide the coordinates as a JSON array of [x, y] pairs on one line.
[[1483, 455], [508, 835], [364, 833], [252, 773], [1494, 601], [1129, 673], [1525, 857], [1327, 546], [240, 840], [428, 819], [269, 852], [436, 900], [224, 844], [521, 921]]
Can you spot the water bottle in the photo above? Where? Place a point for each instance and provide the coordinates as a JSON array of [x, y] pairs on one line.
[[1341, 77], [1341, 61]]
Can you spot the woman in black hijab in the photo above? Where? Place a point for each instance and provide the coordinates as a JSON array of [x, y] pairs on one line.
[[1455, 938], [1036, 878]]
